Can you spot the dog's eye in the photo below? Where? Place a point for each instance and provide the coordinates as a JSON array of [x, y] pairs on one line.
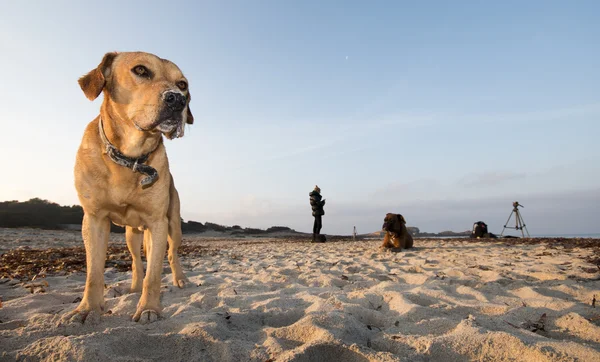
[[182, 85], [141, 71]]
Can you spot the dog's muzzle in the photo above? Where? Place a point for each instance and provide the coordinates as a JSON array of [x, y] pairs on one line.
[[175, 101], [387, 226], [172, 124]]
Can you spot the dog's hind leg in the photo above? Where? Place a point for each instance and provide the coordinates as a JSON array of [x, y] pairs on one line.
[[95, 231], [179, 279], [134, 238], [146, 244]]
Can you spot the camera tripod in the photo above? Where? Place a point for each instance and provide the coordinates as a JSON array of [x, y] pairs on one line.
[[519, 222]]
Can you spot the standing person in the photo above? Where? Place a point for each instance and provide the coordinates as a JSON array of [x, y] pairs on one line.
[[317, 211]]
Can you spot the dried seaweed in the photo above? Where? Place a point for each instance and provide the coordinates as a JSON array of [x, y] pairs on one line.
[[27, 264]]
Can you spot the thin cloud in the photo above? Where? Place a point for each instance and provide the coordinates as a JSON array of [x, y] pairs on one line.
[[492, 178], [356, 131]]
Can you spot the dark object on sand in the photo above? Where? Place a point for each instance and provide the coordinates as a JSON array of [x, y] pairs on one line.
[[480, 230]]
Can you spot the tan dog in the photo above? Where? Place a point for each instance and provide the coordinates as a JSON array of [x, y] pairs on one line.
[[122, 173], [396, 233]]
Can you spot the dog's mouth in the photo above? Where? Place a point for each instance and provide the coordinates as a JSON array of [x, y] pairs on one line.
[[171, 128], [170, 123]]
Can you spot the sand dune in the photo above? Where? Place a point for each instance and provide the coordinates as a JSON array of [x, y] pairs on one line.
[[288, 300]]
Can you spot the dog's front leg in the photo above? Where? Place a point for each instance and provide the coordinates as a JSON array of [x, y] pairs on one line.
[[396, 242], [386, 241], [149, 308], [95, 231]]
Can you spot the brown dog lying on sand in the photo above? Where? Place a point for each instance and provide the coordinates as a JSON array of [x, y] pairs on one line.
[[122, 174], [396, 234]]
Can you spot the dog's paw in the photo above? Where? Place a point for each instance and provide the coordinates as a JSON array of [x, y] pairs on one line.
[[80, 316], [146, 316], [181, 281], [384, 249]]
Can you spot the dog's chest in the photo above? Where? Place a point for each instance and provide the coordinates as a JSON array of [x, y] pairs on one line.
[[130, 215], [136, 208]]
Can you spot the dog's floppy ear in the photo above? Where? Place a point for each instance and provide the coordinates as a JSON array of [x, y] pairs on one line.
[[92, 83], [190, 117], [401, 218]]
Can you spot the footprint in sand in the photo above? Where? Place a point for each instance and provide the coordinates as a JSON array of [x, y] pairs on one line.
[[328, 352], [422, 300]]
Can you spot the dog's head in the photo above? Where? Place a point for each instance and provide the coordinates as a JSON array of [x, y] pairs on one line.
[[141, 88], [393, 222]]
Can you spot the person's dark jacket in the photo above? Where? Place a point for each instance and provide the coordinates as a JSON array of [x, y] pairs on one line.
[[316, 203]]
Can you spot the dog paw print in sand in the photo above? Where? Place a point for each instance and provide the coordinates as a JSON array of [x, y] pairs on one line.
[[412, 269], [13, 324], [329, 352], [420, 299]]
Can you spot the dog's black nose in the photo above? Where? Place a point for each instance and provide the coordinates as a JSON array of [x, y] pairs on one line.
[[175, 101]]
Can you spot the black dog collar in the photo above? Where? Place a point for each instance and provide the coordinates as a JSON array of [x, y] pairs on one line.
[[136, 164]]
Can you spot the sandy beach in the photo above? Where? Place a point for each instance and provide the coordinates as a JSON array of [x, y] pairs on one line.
[[284, 299]]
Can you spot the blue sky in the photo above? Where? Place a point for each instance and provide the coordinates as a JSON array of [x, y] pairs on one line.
[[443, 111]]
